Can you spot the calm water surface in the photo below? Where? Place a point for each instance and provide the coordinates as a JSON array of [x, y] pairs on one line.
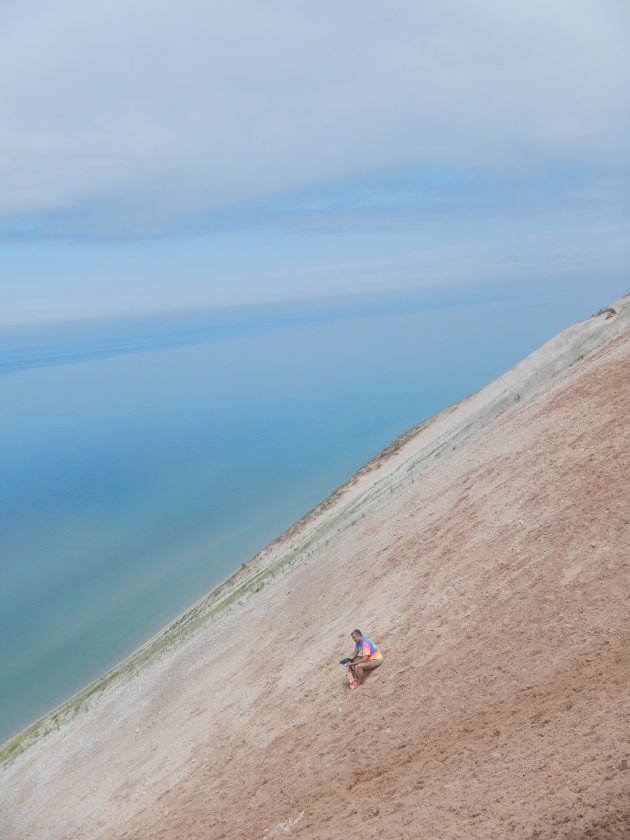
[[140, 466]]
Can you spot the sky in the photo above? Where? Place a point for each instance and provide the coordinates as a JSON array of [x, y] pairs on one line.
[[158, 156]]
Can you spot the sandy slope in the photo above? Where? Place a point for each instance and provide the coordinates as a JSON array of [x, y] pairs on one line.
[[490, 558]]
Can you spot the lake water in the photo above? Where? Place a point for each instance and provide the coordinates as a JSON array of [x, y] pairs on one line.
[[143, 461]]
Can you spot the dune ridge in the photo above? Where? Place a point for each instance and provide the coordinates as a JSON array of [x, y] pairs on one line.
[[486, 551]]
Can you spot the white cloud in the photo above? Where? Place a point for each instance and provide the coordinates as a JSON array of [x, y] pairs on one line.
[[145, 113]]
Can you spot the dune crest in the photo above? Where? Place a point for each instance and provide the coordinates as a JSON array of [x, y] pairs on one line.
[[487, 553]]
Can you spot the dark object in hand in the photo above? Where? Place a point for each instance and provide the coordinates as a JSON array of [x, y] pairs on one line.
[[345, 661]]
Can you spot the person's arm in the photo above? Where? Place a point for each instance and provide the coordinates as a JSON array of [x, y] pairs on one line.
[[359, 657]]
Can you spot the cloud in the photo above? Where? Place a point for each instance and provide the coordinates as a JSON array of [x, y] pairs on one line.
[[137, 117]]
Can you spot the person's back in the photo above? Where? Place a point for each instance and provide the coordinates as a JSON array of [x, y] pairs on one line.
[[369, 649]]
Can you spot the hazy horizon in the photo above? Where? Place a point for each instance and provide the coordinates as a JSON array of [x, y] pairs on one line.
[[225, 156]]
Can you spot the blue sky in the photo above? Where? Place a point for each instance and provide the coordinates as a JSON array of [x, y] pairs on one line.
[[157, 155]]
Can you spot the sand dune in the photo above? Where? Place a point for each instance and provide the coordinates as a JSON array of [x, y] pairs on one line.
[[488, 554]]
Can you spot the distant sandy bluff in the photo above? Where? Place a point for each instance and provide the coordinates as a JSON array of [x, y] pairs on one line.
[[487, 553]]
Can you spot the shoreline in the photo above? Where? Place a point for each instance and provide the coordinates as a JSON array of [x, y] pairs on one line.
[[418, 450], [486, 556]]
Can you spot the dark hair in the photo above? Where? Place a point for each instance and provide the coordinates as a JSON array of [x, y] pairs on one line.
[[356, 633]]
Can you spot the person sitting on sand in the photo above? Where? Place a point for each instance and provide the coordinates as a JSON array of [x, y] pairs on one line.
[[366, 657]]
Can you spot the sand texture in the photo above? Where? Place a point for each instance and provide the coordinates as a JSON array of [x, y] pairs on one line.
[[488, 555]]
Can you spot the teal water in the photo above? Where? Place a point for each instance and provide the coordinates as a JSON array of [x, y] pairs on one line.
[[143, 461]]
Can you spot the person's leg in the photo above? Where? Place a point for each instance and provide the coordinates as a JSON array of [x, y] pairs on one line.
[[351, 675], [364, 667]]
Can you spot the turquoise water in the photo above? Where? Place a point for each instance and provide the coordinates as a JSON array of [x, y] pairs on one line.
[[143, 461]]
